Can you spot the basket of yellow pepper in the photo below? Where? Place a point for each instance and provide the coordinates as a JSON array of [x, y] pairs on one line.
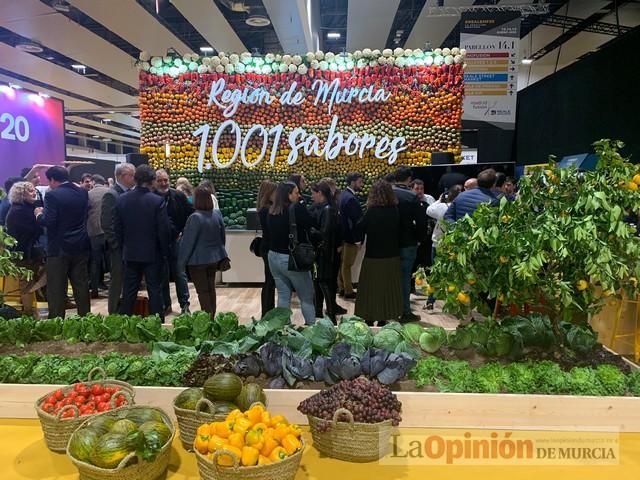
[[252, 445]]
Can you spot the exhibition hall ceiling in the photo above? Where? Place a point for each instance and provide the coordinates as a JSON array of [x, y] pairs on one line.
[[84, 51]]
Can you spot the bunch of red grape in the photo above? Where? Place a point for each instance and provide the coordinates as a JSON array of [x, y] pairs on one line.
[[368, 401]]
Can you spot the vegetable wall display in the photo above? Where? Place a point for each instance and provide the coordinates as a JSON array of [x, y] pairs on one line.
[[321, 114]]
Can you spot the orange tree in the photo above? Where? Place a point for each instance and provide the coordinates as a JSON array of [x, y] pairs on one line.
[[563, 243]]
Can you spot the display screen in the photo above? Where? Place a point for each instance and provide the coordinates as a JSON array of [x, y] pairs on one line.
[[31, 131]]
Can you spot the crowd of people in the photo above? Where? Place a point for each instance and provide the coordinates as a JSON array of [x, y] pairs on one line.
[[139, 229], [399, 228]]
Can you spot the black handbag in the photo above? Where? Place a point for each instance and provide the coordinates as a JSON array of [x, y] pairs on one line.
[[256, 246], [302, 255]]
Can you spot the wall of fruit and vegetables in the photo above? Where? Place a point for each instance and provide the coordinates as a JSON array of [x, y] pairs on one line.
[[321, 114]]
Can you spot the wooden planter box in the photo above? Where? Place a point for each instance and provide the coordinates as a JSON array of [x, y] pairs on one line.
[[443, 410]]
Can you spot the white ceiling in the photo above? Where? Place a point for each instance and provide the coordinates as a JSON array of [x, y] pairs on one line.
[[295, 22]]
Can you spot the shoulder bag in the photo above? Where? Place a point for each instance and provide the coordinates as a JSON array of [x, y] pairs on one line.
[[302, 255]]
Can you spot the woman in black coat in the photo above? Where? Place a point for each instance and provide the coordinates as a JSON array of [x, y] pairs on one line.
[[265, 200], [326, 239], [21, 224]]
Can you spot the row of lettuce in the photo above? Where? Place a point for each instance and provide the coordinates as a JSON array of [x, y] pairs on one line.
[[225, 335], [543, 377]]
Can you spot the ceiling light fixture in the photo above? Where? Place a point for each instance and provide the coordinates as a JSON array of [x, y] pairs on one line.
[[95, 136], [61, 6], [333, 35], [527, 61], [206, 49], [257, 21], [72, 131], [29, 47], [15, 87], [79, 67], [106, 120]]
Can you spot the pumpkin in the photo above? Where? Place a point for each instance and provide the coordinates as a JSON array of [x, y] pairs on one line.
[[124, 426], [250, 394], [82, 443], [109, 451], [223, 386], [188, 398]]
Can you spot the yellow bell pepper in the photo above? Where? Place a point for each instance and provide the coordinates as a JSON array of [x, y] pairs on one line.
[[254, 438], [295, 430], [260, 427], [241, 425], [278, 454], [269, 444], [275, 420], [223, 429], [201, 444], [233, 414], [281, 431], [291, 444], [262, 460], [216, 443], [226, 460], [249, 456], [266, 418], [236, 440], [204, 430], [254, 414]]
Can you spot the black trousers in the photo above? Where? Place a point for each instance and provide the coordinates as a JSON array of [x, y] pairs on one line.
[[204, 279], [115, 284], [97, 261], [325, 293], [73, 268], [268, 294], [133, 272]]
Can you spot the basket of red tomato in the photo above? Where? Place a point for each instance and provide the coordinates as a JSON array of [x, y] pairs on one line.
[[62, 411]]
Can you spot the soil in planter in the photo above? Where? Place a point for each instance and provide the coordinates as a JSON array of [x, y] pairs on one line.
[[60, 347]]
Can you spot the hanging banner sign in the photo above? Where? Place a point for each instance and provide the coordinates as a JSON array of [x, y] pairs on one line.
[[492, 42]]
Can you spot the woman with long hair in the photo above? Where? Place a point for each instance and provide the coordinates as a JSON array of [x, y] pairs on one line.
[[379, 297], [208, 184], [266, 195], [325, 214], [202, 248], [287, 202], [21, 224]]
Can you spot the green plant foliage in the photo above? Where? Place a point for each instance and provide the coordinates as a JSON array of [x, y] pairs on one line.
[[562, 243]]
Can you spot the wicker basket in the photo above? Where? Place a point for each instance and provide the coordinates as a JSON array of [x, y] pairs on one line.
[[131, 467], [351, 441], [190, 420], [283, 470], [58, 430]]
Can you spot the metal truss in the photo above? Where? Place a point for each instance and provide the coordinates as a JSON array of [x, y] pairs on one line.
[[603, 28], [525, 10]]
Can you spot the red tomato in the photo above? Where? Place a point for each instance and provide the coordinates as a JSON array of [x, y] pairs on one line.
[[68, 414], [97, 389], [120, 400], [48, 407], [79, 401], [103, 407], [77, 387], [67, 401], [58, 394], [58, 405], [72, 394], [91, 404], [116, 389], [105, 397], [51, 399]]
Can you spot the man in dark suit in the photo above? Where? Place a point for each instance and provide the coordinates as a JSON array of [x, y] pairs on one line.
[[124, 173], [65, 217], [179, 209], [413, 231], [350, 215], [143, 229]]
